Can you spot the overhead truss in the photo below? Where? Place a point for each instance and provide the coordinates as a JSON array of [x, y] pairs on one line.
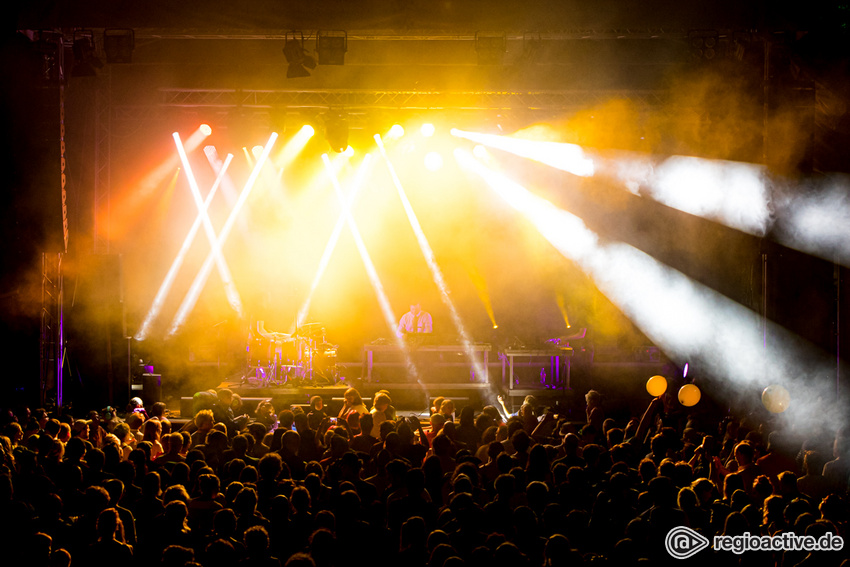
[[403, 100]]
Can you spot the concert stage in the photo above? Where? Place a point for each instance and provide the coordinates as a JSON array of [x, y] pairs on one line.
[[408, 397]]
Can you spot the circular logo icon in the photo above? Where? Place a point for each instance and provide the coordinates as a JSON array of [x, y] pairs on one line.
[[682, 542]]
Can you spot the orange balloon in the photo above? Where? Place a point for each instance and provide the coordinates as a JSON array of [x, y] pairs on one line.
[[689, 395], [656, 386]]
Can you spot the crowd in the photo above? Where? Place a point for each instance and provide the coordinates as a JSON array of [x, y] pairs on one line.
[[302, 486]]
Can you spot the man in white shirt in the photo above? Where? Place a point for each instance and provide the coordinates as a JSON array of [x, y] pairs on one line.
[[415, 321]]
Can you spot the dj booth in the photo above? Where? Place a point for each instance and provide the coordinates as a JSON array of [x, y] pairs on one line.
[[444, 364], [433, 363]]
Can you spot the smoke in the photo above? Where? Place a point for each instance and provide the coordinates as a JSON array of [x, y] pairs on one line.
[[815, 218], [687, 320]]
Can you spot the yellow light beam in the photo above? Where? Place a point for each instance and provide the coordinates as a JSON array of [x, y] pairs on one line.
[[153, 179], [334, 237], [248, 157], [483, 293], [201, 278], [165, 287], [436, 273], [386, 308], [562, 307], [223, 270]]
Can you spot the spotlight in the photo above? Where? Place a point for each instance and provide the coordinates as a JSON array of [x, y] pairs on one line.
[[206, 130], [296, 56], [495, 326], [427, 130], [118, 45], [396, 131], [331, 46], [349, 151], [479, 151], [86, 62], [308, 130], [257, 150], [433, 161], [704, 44], [336, 131]]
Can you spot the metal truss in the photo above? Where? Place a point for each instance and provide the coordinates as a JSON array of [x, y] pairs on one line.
[[404, 100], [51, 327], [102, 156], [421, 35]]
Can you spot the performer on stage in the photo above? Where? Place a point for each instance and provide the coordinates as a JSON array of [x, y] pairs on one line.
[[415, 321]]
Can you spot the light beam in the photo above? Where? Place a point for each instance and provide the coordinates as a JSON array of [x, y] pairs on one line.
[[198, 284], [223, 270], [334, 237], [689, 321], [566, 157], [436, 273], [167, 282], [383, 301]]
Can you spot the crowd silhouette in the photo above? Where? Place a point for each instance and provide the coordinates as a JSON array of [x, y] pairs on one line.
[[300, 487]]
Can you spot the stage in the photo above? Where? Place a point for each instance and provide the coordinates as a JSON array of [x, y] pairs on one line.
[[514, 207]]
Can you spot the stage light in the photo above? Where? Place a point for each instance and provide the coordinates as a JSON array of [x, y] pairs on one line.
[[294, 146], [495, 326], [479, 151], [248, 156], [427, 130], [566, 157], [296, 56], [201, 278], [331, 47], [167, 282], [206, 130], [86, 62], [257, 150], [349, 152], [396, 132], [118, 45], [433, 161]]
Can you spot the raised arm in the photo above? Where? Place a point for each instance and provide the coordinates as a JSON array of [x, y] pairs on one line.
[[504, 411], [645, 421]]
